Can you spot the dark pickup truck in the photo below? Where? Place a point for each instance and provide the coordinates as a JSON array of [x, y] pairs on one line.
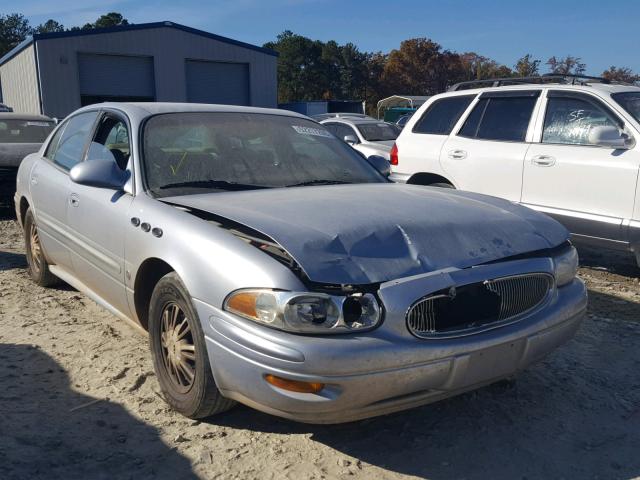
[[20, 135]]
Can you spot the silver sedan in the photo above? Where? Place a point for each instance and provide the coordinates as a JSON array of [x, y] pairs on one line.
[[272, 265]]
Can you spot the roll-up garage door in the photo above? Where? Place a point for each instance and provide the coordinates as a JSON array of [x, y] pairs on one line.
[[217, 82], [115, 78]]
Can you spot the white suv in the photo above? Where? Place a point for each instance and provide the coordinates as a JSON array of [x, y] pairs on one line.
[[569, 149]]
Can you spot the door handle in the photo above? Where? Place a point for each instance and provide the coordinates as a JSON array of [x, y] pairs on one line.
[[544, 160], [457, 154], [74, 200]]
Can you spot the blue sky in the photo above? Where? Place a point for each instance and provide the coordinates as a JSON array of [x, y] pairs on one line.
[[601, 33]]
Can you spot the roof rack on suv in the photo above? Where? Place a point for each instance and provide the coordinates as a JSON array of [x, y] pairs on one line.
[[567, 79]]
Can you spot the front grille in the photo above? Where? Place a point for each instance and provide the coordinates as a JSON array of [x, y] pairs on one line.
[[476, 305]]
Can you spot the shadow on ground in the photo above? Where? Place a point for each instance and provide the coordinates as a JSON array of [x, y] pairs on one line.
[[574, 415], [612, 261], [44, 433], [11, 260]]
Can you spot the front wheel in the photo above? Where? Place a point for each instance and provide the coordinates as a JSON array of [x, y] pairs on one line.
[[179, 352]]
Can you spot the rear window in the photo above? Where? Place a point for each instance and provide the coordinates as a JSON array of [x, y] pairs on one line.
[[378, 132], [24, 131], [500, 118], [442, 115]]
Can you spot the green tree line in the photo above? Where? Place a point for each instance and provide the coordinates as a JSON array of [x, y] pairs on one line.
[[313, 70]]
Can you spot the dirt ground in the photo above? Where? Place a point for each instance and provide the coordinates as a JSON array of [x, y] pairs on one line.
[[78, 399]]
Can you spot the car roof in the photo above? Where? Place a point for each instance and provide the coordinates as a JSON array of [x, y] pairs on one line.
[[353, 121], [146, 109], [590, 87], [24, 116]]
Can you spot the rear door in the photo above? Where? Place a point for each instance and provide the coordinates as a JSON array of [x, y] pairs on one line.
[[487, 154], [50, 186], [98, 217], [419, 149], [591, 189]]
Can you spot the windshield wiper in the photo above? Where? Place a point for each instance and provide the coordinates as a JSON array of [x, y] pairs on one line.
[[319, 182], [221, 184]]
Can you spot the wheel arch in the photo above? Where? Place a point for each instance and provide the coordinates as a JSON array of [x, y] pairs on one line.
[[23, 207], [147, 277], [424, 178]]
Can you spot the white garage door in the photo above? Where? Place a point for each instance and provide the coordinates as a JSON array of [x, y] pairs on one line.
[[116, 77], [218, 82]]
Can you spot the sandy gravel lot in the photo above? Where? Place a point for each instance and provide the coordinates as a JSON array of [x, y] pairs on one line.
[[78, 399]]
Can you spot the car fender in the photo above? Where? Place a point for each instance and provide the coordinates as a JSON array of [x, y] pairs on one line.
[[211, 261]]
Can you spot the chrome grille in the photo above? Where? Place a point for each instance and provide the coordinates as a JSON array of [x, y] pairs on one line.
[[478, 305]]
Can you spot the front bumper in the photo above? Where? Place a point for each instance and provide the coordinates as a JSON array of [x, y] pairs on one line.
[[378, 372]]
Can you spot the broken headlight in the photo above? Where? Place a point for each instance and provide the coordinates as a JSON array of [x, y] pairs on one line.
[[306, 312], [565, 266]]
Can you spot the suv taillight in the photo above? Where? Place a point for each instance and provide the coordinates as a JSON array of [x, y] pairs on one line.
[[393, 155]]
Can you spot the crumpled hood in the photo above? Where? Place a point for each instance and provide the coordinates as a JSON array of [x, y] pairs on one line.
[[11, 154], [370, 233]]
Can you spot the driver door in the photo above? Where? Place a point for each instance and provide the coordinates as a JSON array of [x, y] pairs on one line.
[[589, 188], [98, 217]]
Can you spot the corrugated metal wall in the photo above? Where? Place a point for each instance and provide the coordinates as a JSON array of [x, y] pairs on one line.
[[19, 78], [169, 47]]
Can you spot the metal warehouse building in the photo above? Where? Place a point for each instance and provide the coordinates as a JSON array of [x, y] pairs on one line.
[[56, 73]]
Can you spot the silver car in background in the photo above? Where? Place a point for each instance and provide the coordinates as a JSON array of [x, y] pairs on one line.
[[366, 135], [272, 265]]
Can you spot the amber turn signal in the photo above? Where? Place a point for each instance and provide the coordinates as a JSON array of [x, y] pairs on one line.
[[243, 303], [294, 385]]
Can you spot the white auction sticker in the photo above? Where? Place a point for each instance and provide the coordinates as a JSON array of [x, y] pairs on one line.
[[311, 131]]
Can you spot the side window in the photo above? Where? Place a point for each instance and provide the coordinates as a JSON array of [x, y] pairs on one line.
[[52, 148], [442, 115], [340, 130], [74, 139], [500, 118], [333, 128], [569, 120], [111, 141]]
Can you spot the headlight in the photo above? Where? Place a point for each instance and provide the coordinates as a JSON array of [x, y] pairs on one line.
[[306, 312], [565, 266]]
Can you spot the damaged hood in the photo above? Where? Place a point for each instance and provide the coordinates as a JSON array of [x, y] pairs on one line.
[[370, 233]]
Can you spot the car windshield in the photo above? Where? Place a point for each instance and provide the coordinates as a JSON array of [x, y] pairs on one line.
[[186, 153], [378, 132], [630, 101], [24, 131]]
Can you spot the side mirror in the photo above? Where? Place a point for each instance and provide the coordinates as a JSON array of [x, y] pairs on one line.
[[381, 164], [609, 137], [350, 139], [100, 173]]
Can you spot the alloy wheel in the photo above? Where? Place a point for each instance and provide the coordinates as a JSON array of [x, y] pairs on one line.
[[178, 348]]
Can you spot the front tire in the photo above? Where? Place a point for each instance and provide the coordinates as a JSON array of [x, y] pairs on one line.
[[179, 352], [37, 264]]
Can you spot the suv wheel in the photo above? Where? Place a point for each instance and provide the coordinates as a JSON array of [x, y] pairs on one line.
[[179, 352]]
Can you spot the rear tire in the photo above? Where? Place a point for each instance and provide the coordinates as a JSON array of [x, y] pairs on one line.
[[37, 264], [179, 352]]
